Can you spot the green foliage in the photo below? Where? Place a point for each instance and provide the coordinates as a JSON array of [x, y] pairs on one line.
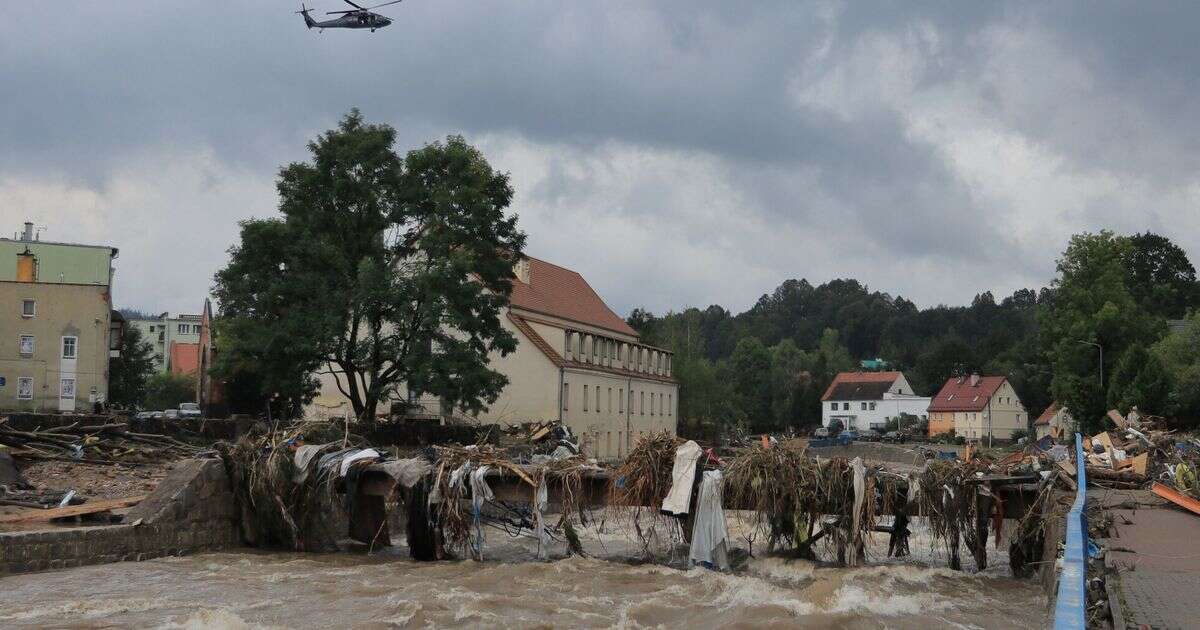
[[1179, 353], [129, 373], [1140, 380], [1092, 304], [165, 391], [387, 271], [1019, 433], [1159, 275]]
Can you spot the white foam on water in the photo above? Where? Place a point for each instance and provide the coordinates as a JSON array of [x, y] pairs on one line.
[[213, 619], [856, 599], [782, 569], [86, 608], [741, 590]]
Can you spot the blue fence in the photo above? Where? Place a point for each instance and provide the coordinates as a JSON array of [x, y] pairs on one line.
[[1070, 609]]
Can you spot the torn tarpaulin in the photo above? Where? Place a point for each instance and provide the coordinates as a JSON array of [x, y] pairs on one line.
[[709, 534], [683, 476]]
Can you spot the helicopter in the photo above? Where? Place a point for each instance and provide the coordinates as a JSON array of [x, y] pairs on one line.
[[358, 17]]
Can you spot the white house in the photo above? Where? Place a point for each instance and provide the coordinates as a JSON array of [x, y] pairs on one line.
[[867, 400]]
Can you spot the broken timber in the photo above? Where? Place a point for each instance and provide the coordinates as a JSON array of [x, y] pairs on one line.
[[91, 507]]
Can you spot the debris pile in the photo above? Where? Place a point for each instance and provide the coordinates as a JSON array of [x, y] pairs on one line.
[[96, 443]]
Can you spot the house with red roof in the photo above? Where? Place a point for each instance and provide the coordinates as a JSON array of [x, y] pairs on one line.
[[976, 408], [1055, 421], [576, 362], [868, 400]]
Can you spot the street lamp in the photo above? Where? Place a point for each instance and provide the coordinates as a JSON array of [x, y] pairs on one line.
[[1101, 349]]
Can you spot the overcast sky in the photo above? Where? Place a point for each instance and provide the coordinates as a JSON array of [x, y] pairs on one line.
[[677, 153]]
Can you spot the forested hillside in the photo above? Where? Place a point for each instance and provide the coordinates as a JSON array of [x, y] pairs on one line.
[[769, 365]]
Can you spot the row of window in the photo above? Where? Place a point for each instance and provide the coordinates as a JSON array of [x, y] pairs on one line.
[[664, 406], [609, 352], [66, 388], [70, 346], [846, 406], [625, 442], [182, 329]]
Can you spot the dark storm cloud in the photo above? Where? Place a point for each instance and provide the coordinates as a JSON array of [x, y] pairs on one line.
[[879, 134]]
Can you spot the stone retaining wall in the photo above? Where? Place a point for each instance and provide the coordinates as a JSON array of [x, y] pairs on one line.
[[192, 510]]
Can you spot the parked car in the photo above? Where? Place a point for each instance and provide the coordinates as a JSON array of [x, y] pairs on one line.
[[145, 415], [821, 433], [848, 435], [189, 410], [171, 414], [870, 435], [894, 436]]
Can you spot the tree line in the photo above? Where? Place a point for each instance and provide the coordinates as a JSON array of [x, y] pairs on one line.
[[767, 367]]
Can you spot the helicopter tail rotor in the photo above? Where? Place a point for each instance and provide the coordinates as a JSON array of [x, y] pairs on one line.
[[308, 21]]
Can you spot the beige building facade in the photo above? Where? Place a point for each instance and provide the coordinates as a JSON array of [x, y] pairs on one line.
[[576, 362], [978, 408], [55, 325]]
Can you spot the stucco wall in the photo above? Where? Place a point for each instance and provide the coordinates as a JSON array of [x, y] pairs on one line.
[[1000, 418], [81, 311]]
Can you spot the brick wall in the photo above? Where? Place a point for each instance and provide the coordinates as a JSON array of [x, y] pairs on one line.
[[192, 510]]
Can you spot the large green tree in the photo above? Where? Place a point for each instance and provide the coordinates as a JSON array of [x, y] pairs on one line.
[[385, 271], [1159, 276], [165, 391], [1140, 380], [1180, 355], [1092, 305], [129, 373]]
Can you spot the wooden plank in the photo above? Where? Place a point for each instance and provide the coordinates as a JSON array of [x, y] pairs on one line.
[[1176, 497], [1116, 418], [90, 507]]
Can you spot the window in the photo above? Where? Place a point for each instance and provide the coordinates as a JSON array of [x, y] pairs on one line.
[[26, 345], [652, 403], [68, 347], [66, 388], [608, 443], [864, 406], [28, 308], [585, 397], [631, 402], [833, 406], [642, 404], [609, 400], [597, 399], [566, 394], [182, 329], [872, 406], [845, 406], [670, 404], [621, 399], [196, 328], [24, 388]]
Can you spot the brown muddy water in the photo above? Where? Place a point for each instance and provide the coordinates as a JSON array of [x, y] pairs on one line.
[[387, 590]]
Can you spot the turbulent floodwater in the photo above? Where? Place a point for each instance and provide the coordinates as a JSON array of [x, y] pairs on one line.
[[285, 590]]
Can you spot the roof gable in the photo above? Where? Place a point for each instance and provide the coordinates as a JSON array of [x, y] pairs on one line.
[[960, 394], [559, 292], [860, 377]]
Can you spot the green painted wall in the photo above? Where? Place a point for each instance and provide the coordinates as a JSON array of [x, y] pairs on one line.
[[58, 262]]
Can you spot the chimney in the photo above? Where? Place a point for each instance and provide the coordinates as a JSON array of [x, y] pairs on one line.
[[27, 235], [521, 270], [974, 380]]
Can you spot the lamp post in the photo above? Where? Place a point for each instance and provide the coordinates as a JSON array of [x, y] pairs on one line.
[[1101, 349]]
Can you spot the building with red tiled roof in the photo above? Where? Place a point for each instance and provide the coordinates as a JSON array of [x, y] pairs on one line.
[[1055, 421], [977, 407], [868, 400], [576, 362]]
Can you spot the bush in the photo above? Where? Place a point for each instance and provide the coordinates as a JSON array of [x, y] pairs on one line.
[[1018, 434], [166, 391]]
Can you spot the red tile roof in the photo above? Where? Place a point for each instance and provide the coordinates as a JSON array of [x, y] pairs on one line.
[[859, 377], [1048, 414], [956, 396], [185, 358], [560, 292]]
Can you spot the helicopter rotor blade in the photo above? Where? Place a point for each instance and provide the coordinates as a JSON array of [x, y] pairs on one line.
[[385, 4], [340, 12], [354, 5]]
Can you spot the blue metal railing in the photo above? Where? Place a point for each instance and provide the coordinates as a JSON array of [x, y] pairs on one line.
[[1070, 609]]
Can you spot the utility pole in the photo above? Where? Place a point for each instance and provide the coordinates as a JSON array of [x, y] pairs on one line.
[[1101, 349]]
